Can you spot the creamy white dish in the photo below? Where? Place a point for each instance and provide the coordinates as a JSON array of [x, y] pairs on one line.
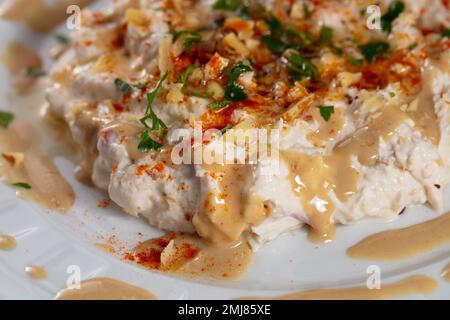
[[363, 115]]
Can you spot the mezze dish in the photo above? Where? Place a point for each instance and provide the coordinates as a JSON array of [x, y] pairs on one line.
[[357, 107]]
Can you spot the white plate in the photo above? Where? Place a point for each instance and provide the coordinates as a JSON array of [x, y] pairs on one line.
[[291, 263]]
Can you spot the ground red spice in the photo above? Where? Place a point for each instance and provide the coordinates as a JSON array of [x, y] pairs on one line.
[[104, 203]]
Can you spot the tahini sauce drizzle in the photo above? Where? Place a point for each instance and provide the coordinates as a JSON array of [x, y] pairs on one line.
[[36, 272], [105, 289], [19, 59], [21, 161], [404, 243], [313, 177], [189, 255], [413, 285], [446, 273], [7, 243]]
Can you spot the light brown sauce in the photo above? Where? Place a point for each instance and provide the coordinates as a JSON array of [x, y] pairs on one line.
[[225, 215], [422, 111], [328, 130], [106, 247], [412, 285], [19, 59], [37, 14], [48, 187], [7, 243], [313, 177], [105, 289], [446, 273], [36, 272], [404, 243], [190, 255]]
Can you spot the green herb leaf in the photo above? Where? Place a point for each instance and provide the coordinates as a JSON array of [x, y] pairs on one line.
[[372, 51], [157, 124], [189, 37], [122, 85], [147, 144], [275, 26], [300, 67], [22, 185], [234, 91], [306, 11], [227, 5], [186, 73], [62, 39], [216, 105], [354, 61], [224, 130], [238, 69], [5, 119], [36, 72], [446, 33], [305, 37], [326, 35], [273, 44], [396, 7], [326, 112]]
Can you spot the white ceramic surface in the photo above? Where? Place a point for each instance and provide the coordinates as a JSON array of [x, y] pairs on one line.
[[291, 263]]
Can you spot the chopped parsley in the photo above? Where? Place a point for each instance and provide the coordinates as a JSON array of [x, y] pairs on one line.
[[189, 37], [326, 35], [36, 72], [5, 119], [234, 91], [300, 67], [305, 38], [326, 112], [122, 85], [446, 33], [273, 44], [186, 73], [22, 185], [126, 87], [306, 11], [227, 5], [372, 51], [282, 38], [146, 142], [217, 105], [62, 39], [395, 8], [354, 61], [224, 130]]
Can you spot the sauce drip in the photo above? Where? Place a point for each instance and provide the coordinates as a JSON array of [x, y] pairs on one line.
[[413, 285], [446, 273], [314, 177], [105, 289], [21, 161], [227, 213], [19, 59], [404, 243], [36, 273], [189, 255], [7, 243]]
